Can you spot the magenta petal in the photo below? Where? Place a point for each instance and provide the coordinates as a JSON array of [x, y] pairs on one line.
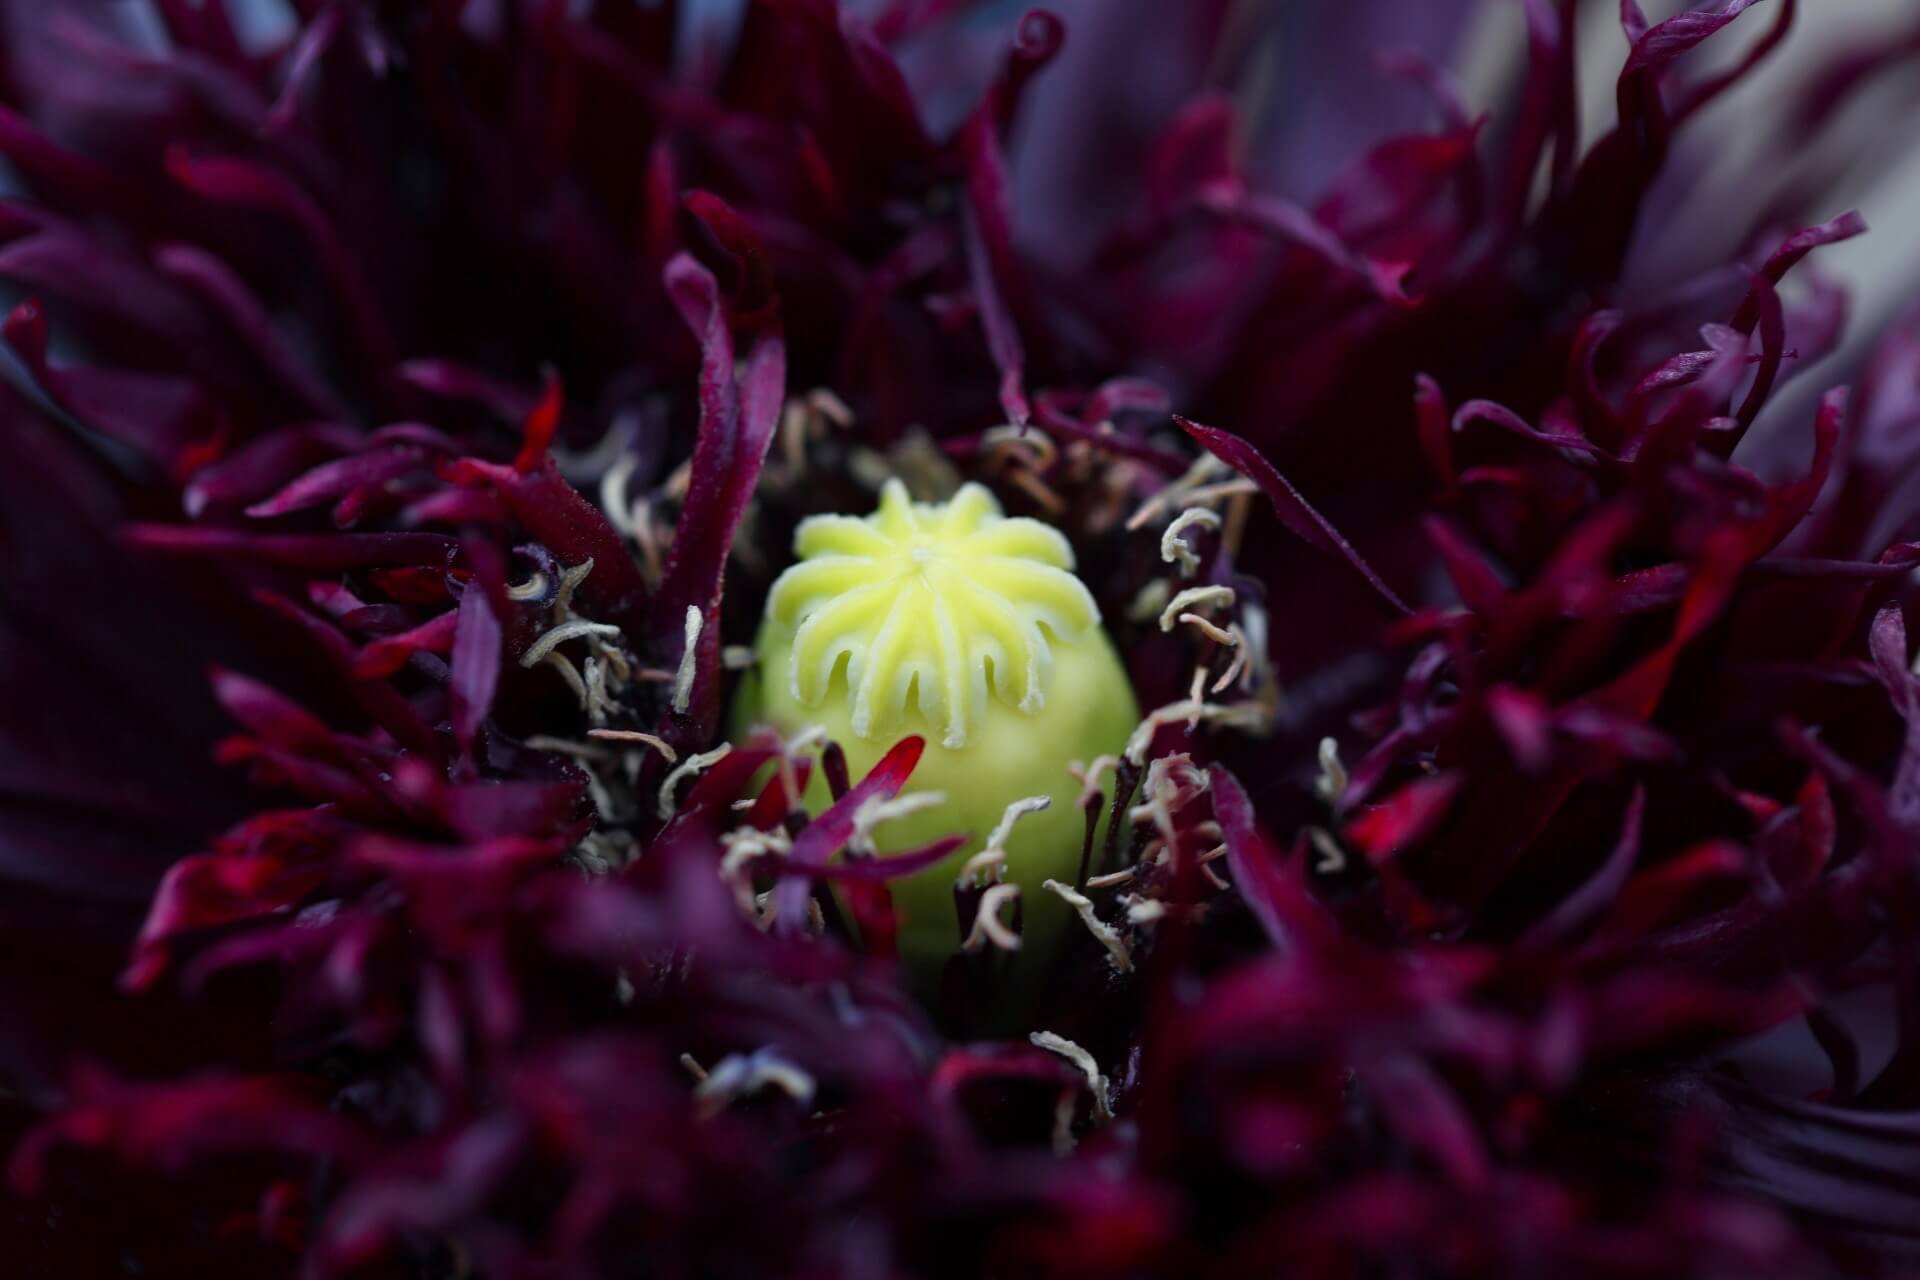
[[390, 653], [225, 180], [1271, 889], [1599, 892], [1417, 1101], [989, 252], [332, 480], [542, 421], [1655, 47], [877, 870], [477, 642], [1795, 247], [380, 701], [737, 422], [827, 834], [256, 469], [66, 263], [307, 551], [1290, 222], [1404, 818], [573, 529], [247, 318], [1293, 510], [270, 715], [458, 382]]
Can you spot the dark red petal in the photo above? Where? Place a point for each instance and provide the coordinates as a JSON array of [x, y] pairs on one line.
[[1293, 510], [827, 834], [477, 645]]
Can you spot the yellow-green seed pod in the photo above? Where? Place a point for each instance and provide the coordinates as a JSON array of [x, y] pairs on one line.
[[957, 623]]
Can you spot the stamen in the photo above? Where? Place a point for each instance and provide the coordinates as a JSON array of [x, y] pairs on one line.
[[598, 704], [531, 589], [1175, 550], [1096, 1081], [976, 868], [789, 779], [635, 736], [570, 580], [1025, 447], [1333, 859], [1230, 489], [683, 678], [1149, 600], [1243, 715], [651, 563], [1108, 936], [827, 408], [1089, 776], [1208, 629], [559, 662], [1034, 487], [793, 438], [1242, 664], [1204, 467], [736, 1076], [686, 769], [987, 925], [613, 493], [745, 846], [1332, 782], [1015, 811], [549, 640], [1194, 597], [578, 750], [881, 809]]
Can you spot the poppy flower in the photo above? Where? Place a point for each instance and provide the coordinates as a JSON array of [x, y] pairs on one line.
[[1443, 551]]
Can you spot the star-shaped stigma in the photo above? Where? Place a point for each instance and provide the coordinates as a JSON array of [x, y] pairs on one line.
[[938, 605]]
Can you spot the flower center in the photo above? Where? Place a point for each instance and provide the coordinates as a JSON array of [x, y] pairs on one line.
[[932, 606]]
